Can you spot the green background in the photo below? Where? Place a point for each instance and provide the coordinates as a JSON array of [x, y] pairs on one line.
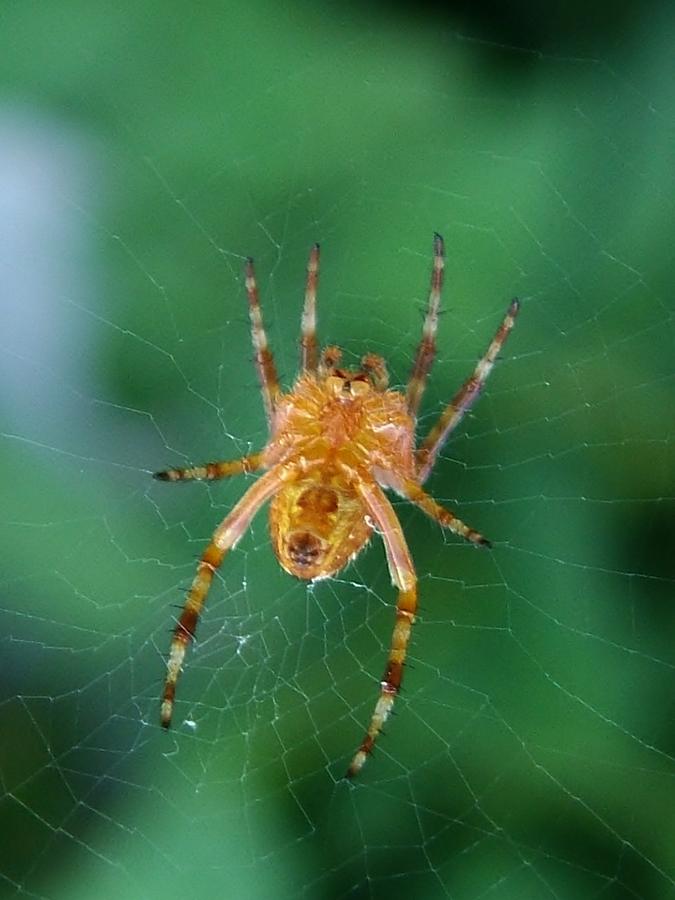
[[144, 153]]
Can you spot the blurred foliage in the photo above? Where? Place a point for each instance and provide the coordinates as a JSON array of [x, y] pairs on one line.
[[147, 152]]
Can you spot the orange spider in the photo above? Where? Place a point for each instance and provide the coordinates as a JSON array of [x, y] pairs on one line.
[[336, 440]]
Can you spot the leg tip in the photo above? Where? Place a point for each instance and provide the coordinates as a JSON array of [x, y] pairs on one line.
[[356, 765], [165, 714]]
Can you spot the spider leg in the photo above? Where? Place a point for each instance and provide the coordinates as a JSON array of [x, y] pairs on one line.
[[213, 470], [427, 346], [224, 538], [308, 344], [465, 397], [403, 576], [411, 490], [264, 361]]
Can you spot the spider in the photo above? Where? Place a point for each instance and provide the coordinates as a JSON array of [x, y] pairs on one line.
[[335, 441]]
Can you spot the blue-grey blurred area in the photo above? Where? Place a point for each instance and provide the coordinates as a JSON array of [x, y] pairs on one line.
[[145, 152]]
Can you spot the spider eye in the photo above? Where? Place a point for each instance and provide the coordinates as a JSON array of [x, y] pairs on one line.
[[304, 548]]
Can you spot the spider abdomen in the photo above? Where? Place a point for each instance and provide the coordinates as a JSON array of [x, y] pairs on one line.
[[317, 525]]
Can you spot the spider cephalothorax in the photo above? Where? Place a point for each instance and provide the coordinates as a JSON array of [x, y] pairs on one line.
[[336, 440]]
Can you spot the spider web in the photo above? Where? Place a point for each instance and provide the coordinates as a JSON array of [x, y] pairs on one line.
[[531, 752]]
